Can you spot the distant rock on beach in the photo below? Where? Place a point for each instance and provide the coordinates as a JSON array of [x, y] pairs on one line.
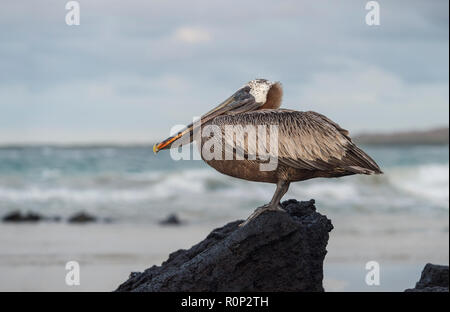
[[78, 218], [82, 217], [18, 217], [171, 219], [434, 278], [277, 251]]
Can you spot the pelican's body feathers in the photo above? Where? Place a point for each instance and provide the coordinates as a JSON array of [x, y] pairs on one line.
[[309, 145]]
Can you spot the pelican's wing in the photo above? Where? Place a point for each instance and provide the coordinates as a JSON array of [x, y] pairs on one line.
[[309, 140], [306, 140]]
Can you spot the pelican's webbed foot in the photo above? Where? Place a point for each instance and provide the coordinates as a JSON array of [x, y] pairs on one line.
[[260, 210]]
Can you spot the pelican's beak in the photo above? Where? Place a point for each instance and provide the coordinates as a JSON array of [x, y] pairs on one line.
[[237, 100]]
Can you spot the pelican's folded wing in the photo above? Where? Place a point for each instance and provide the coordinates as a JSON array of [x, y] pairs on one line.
[[306, 140]]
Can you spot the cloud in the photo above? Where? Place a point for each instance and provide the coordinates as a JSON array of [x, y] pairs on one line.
[[366, 97], [124, 108], [192, 35], [144, 66]]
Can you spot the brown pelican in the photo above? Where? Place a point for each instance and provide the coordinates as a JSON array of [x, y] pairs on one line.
[[309, 145]]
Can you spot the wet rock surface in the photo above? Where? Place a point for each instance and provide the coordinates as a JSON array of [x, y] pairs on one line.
[[277, 251]]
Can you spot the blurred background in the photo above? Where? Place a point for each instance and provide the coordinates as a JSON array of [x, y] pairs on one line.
[[81, 106]]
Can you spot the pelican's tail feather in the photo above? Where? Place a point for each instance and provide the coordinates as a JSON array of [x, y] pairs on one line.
[[361, 162]]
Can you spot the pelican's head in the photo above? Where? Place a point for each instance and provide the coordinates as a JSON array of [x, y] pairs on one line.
[[254, 95], [265, 92]]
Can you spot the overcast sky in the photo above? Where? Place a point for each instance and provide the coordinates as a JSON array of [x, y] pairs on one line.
[[133, 69]]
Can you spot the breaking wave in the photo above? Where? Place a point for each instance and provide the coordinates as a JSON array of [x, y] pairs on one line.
[[107, 182]]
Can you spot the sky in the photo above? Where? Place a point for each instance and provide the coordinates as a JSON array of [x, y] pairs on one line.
[[133, 69]]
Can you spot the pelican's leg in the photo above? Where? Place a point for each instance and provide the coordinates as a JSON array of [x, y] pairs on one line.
[[274, 204]]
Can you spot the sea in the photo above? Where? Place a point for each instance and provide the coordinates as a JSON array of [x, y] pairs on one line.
[[132, 184]]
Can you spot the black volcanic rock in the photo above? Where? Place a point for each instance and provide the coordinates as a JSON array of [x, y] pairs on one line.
[[171, 219], [82, 217], [17, 216], [434, 278], [277, 251]]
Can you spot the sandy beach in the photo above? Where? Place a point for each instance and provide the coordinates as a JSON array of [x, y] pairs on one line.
[[33, 256]]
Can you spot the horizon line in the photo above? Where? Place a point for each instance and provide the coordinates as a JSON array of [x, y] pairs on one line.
[[150, 142]]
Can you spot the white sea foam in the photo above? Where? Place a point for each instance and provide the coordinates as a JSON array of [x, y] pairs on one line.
[[430, 182], [206, 191]]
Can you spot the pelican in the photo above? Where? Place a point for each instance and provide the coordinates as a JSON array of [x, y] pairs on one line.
[[309, 145]]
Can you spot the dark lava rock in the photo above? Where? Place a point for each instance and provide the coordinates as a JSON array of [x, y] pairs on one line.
[[82, 217], [434, 278], [171, 219], [277, 251], [17, 216]]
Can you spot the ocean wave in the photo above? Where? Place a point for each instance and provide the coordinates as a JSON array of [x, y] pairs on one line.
[[419, 187], [427, 181]]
